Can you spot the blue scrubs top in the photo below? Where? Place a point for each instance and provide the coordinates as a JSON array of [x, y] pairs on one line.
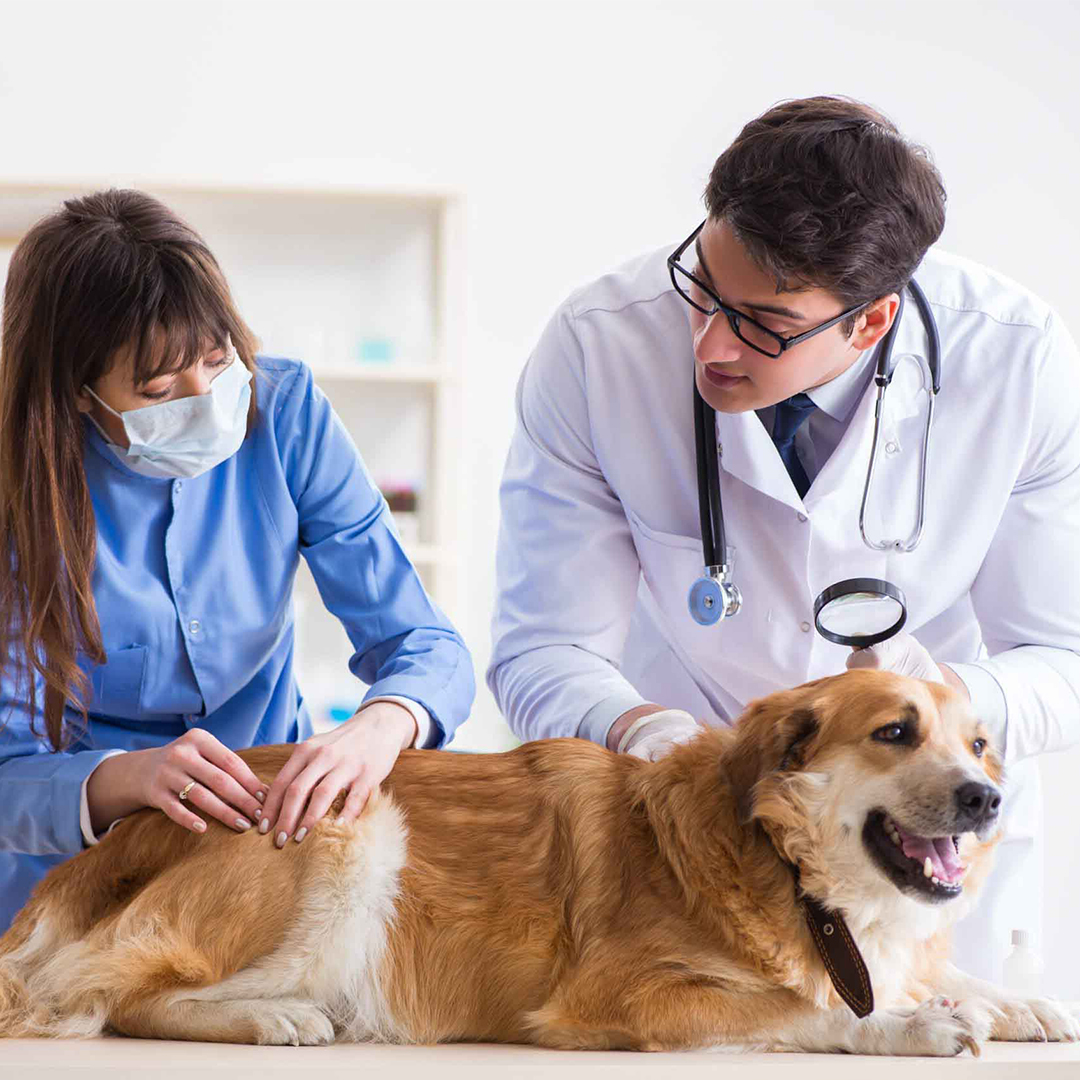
[[193, 586]]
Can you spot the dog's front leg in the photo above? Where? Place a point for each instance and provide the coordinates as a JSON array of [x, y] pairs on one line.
[[680, 1017], [1012, 1018], [937, 1028]]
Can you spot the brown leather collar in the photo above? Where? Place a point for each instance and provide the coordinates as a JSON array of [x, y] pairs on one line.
[[841, 955]]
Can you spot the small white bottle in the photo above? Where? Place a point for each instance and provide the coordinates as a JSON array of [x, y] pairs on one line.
[[1023, 967]]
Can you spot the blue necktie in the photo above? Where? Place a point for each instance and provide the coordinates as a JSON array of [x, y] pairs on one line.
[[788, 417]]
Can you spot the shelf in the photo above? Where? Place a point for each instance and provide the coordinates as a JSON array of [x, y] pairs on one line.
[[428, 554], [26, 200], [391, 372]]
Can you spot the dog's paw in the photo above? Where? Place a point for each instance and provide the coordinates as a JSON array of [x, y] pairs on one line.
[[1035, 1020], [940, 1027], [290, 1022]]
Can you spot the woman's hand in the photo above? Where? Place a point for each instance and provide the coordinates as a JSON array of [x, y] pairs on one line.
[[355, 757], [224, 787]]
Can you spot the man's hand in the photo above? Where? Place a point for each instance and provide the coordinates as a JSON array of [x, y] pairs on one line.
[[654, 735], [904, 655]]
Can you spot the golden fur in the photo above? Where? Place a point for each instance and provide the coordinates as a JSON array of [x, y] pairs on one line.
[[557, 894]]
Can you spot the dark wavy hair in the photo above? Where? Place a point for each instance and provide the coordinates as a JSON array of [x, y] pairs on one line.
[[824, 192], [112, 271]]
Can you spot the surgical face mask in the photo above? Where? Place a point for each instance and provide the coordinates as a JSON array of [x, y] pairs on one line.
[[189, 436]]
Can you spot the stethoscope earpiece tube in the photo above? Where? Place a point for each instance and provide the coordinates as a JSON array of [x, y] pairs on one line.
[[712, 514], [933, 360], [712, 597]]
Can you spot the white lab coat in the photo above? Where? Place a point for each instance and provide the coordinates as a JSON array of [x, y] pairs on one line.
[[600, 538]]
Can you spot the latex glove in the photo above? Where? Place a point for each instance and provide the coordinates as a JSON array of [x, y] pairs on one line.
[[900, 653], [651, 737]]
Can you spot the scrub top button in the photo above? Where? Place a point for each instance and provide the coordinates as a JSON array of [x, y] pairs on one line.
[[194, 626]]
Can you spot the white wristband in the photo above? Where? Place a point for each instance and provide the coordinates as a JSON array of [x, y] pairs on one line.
[[648, 718]]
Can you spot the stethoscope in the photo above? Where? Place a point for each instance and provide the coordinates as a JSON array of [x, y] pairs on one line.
[[857, 611]]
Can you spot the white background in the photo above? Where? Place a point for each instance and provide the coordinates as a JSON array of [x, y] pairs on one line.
[[581, 134]]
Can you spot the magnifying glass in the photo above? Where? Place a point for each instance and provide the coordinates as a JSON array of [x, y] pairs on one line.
[[860, 612]]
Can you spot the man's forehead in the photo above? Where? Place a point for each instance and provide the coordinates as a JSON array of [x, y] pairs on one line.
[[728, 263]]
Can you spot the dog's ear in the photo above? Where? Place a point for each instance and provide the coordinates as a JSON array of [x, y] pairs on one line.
[[774, 735], [797, 731]]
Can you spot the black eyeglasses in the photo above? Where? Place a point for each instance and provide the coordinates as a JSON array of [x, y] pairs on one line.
[[698, 295]]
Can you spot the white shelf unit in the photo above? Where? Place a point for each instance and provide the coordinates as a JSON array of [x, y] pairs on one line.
[[323, 276]]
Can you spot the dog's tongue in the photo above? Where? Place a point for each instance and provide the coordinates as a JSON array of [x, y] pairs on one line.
[[940, 850]]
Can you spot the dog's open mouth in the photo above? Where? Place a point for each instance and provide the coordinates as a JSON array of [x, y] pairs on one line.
[[929, 865]]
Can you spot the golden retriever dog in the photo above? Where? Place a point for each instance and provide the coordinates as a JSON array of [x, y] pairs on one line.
[[563, 895]]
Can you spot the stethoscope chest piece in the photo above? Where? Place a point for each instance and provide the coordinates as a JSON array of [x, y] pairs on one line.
[[712, 597]]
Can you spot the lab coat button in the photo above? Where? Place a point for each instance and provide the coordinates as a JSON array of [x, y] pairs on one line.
[[802, 518], [891, 447], [805, 627]]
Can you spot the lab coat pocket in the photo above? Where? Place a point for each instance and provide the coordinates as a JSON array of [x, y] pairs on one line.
[[672, 540], [670, 564], [117, 684]]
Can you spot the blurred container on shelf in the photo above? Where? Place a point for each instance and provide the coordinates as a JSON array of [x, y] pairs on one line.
[[375, 350], [403, 499]]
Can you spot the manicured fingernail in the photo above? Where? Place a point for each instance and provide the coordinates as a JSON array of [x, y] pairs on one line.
[[340, 820], [243, 823], [257, 814], [281, 838], [200, 825], [261, 796], [264, 826], [300, 835]]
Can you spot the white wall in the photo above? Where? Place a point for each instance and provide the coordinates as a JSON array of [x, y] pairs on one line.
[[581, 133]]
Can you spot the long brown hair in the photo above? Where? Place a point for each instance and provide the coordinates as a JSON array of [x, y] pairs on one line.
[[110, 272], [824, 192]]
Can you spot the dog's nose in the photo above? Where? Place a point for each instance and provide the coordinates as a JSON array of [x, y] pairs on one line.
[[977, 803]]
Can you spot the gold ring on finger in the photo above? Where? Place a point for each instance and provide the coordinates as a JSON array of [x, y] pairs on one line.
[[183, 794]]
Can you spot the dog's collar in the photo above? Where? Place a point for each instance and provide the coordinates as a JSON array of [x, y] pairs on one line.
[[841, 955]]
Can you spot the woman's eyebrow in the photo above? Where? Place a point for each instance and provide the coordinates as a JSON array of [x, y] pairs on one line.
[[772, 309]]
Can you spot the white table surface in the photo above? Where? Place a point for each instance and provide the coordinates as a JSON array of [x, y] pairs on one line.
[[120, 1059]]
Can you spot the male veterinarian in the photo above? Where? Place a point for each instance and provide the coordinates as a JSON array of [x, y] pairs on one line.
[[819, 209]]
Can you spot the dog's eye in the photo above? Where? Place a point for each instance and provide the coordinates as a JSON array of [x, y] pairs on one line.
[[894, 733], [979, 745]]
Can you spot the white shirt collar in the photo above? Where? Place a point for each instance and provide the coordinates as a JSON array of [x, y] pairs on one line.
[[839, 396]]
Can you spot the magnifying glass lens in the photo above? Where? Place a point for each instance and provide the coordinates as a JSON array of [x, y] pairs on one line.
[[860, 612]]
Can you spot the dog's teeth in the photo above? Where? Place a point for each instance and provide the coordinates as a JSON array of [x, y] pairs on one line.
[[935, 880], [928, 867]]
